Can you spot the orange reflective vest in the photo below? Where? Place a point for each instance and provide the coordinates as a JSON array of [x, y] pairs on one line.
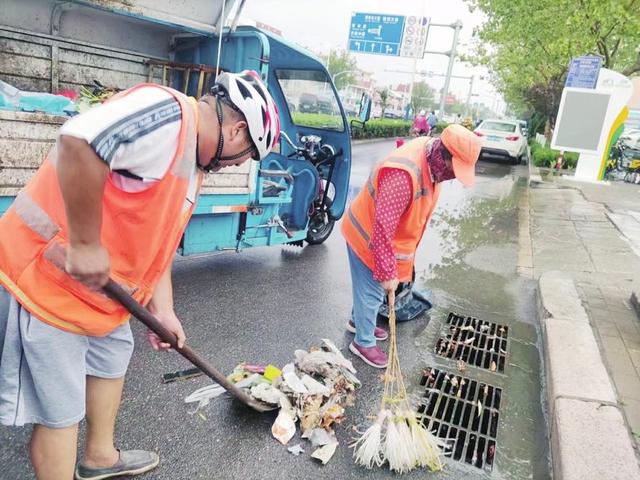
[[357, 226], [141, 232]]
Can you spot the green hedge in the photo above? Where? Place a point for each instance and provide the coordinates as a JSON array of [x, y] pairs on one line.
[[547, 157], [374, 128], [383, 127], [320, 120], [441, 125]]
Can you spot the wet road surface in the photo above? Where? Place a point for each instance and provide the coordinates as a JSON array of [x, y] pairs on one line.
[[261, 305]]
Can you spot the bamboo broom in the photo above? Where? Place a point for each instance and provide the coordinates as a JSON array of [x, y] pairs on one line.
[[397, 436]]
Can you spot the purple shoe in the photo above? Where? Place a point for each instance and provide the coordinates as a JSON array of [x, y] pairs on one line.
[[380, 333], [370, 355]]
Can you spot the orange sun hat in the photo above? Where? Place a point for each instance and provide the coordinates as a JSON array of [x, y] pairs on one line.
[[464, 147]]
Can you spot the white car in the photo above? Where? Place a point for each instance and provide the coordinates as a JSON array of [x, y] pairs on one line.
[[502, 138]]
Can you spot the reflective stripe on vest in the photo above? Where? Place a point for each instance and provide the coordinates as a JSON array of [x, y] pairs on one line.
[[356, 224], [34, 216]]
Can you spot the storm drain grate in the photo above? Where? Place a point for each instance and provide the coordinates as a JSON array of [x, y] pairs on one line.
[[464, 413], [476, 342]]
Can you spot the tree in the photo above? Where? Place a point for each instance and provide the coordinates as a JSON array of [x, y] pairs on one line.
[[421, 97], [528, 45], [342, 62], [384, 99]]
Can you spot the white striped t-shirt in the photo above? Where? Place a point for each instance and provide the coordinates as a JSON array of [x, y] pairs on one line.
[[136, 135]]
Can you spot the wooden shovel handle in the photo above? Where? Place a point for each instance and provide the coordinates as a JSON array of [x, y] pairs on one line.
[[116, 292]]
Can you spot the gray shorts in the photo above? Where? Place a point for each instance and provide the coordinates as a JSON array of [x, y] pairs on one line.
[[43, 369]]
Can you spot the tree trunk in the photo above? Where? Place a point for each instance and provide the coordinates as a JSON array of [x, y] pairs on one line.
[[547, 129]]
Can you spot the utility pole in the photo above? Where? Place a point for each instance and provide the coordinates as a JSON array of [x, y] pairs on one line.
[[457, 26], [469, 96], [419, 53]]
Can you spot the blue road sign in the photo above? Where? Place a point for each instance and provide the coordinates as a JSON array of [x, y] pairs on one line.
[[376, 33], [583, 72]]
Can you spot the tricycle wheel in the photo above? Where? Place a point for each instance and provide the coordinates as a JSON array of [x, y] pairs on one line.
[[320, 225]]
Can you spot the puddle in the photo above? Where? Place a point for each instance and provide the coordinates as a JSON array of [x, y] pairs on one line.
[[489, 258], [469, 260]]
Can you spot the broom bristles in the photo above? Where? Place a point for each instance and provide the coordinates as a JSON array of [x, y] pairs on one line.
[[405, 443], [367, 451], [393, 450], [428, 447]]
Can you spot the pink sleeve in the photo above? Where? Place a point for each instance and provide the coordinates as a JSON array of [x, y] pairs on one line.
[[393, 196]]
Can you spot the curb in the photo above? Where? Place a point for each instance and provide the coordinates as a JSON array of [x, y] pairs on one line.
[[590, 439]]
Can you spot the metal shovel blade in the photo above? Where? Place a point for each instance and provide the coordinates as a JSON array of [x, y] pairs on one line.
[[116, 292]]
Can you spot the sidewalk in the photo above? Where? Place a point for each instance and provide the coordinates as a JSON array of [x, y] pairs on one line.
[[583, 240]]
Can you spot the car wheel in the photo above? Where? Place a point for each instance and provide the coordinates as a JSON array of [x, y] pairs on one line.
[[524, 158]]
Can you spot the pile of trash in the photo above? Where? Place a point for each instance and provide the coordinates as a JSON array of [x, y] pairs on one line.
[[314, 389]]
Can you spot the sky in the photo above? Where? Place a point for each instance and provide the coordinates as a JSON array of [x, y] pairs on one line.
[[321, 25]]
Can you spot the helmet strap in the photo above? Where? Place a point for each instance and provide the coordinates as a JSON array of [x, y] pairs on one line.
[[215, 161]]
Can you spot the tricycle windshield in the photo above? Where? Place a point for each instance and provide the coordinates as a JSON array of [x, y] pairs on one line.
[[310, 98]]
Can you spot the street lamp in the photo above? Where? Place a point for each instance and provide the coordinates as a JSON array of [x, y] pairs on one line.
[[338, 74]]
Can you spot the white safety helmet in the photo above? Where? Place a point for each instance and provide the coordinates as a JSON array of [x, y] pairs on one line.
[[248, 93]]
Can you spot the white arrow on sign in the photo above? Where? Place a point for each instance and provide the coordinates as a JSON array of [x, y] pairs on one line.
[[357, 45]]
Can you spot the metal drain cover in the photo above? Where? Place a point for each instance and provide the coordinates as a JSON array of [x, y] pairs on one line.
[[476, 342], [464, 413]]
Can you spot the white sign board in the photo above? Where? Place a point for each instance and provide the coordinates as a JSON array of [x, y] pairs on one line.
[[587, 120], [414, 37], [580, 122]]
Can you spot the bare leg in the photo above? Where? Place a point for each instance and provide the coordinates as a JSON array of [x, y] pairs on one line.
[[103, 401], [53, 452]]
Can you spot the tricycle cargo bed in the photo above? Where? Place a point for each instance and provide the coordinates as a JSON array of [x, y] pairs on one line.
[[25, 139]]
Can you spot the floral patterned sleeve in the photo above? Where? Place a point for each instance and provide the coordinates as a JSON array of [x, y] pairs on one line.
[[393, 197]]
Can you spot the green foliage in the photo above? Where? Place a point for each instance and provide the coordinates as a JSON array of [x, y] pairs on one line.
[[528, 45], [440, 126], [375, 128], [383, 128], [320, 120], [421, 97], [342, 62], [384, 99], [547, 157]]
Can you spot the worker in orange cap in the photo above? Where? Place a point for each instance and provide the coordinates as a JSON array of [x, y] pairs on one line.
[[386, 221]]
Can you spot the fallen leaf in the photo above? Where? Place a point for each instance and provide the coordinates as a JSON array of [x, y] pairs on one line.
[[493, 366], [335, 413], [310, 414]]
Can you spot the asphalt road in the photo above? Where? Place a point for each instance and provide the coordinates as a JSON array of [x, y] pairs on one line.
[[262, 304]]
